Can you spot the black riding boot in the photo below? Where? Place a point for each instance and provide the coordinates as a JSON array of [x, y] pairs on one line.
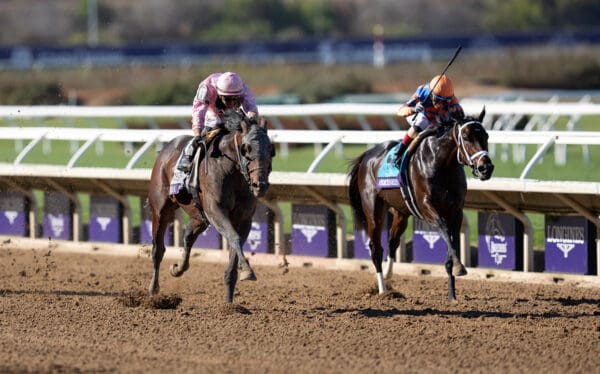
[[185, 160], [399, 154]]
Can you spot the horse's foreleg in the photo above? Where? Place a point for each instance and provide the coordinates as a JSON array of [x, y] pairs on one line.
[[453, 265], [231, 275], [158, 251], [193, 229], [246, 272], [235, 238], [451, 280]]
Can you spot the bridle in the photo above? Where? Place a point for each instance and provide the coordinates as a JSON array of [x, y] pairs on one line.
[[244, 162], [471, 159]]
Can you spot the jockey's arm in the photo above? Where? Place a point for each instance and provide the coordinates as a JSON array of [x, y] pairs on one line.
[[408, 108], [198, 116], [405, 111], [249, 103]]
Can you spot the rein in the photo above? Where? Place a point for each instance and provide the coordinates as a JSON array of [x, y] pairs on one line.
[[245, 173], [241, 164], [471, 159]]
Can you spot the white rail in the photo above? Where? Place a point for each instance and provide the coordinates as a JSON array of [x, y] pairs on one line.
[[301, 110], [544, 139]]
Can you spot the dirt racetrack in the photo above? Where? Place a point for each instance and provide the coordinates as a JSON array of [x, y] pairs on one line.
[[65, 312]]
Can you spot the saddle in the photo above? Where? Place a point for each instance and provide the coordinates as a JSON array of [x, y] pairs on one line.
[[185, 186], [389, 176]]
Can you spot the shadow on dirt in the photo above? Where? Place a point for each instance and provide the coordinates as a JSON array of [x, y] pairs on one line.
[[380, 313], [134, 299]]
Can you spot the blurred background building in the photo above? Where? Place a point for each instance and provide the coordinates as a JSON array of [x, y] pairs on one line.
[[509, 38]]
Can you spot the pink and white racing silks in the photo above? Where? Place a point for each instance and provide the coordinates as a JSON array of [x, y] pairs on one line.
[[205, 111]]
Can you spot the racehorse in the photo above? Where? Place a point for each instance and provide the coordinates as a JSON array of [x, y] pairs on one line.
[[438, 184], [232, 175]]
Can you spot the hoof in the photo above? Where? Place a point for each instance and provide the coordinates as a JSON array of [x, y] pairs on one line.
[[247, 274], [459, 270], [176, 270], [153, 290]]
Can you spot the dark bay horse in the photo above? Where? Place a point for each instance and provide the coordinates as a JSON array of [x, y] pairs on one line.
[[232, 175], [439, 187]]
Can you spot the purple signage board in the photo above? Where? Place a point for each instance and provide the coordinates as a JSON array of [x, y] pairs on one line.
[[14, 218], [313, 231], [361, 242], [261, 236], [569, 245], [209, 239], [105, 219], [499, 241], [146, 227], [58, 216], [428, 245]]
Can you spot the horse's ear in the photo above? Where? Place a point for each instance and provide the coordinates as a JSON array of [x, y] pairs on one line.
[[263, 124], [482, 114], [244, 126]]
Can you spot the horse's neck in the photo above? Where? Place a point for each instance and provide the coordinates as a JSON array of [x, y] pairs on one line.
[[443, 148]]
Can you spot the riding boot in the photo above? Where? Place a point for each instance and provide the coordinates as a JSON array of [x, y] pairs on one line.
[[185, 160], [399, 154]]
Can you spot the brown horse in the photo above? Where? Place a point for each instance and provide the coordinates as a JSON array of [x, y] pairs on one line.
[[232, 175], [436, 176]]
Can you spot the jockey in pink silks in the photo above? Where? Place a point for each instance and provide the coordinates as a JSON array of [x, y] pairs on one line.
[[217, 93]]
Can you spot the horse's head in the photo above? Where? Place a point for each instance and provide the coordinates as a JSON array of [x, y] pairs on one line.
[[255, 152], [472, 140]]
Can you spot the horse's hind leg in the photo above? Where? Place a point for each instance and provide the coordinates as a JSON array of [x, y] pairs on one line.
[[161, 216], [398, 227], [194, 228], [374, 227]]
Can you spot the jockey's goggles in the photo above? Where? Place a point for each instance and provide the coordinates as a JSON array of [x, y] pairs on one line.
[[445, 99]]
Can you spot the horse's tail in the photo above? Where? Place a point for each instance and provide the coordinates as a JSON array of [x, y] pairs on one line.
[[360, 220]]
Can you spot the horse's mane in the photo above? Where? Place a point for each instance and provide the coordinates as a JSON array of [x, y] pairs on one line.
[[448, 124], [233, 117]]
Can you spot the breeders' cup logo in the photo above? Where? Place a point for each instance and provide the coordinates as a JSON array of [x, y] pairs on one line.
[[11, 215], [495, 239], [255, 236], [565, 237], [308, 231], [431, 237], [103, 222], [57, 224], [565, 248]]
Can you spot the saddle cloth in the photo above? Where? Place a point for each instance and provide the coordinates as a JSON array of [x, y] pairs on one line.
[[388, 175]]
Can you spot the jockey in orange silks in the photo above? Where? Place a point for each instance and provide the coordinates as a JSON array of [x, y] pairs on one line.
[[427, 107]]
